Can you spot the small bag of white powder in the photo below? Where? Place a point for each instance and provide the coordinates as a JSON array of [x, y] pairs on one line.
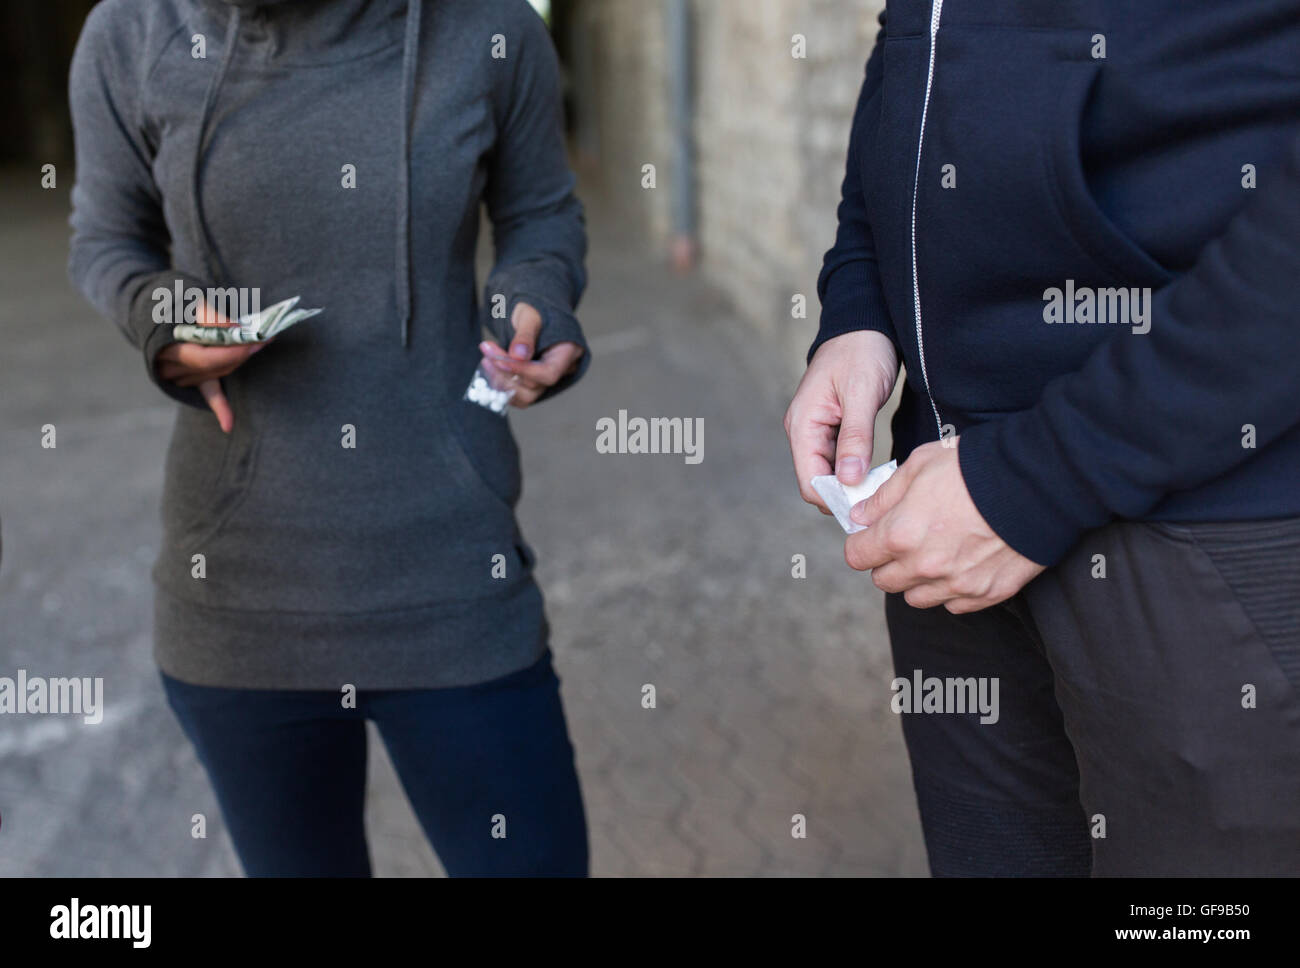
[[840, 498], [490, 390]]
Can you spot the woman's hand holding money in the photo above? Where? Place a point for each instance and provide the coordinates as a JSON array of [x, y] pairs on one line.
[[193, 364]]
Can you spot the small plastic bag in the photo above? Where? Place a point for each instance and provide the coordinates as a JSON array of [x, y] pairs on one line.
[[491, 390]]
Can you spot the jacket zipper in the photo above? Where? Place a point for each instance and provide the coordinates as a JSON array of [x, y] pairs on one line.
[[935, 13]]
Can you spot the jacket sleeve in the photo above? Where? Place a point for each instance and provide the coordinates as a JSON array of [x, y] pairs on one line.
[[538, 224], [120, 247], [1154, 413], [849, 284]]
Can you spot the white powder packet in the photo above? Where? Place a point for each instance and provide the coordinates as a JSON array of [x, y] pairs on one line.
[[489, 390], [840, 498]]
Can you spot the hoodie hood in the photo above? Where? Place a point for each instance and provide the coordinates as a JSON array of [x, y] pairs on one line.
[[308, 32]]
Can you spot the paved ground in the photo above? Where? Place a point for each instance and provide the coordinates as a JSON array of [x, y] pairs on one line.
[[773, 695]]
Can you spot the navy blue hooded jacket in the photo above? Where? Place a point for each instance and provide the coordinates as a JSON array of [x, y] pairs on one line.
[[1009, 154]]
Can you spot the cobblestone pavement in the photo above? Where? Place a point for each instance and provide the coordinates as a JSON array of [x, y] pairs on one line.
[[772, 691]]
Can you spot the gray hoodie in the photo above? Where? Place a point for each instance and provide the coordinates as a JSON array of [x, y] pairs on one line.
[[291, 560]]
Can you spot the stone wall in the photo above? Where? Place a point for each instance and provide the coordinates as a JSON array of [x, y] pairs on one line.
[[770, 133]]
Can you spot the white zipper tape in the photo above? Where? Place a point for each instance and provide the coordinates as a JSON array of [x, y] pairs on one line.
[[935, 13]]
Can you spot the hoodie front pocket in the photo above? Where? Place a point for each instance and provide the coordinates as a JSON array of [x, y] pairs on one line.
[[215, 508], [480, 447], [482, 454], [208, 476], [990, 235], [1094, 232]]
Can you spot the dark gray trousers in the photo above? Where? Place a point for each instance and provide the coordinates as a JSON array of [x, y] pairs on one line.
[[1149, 720]]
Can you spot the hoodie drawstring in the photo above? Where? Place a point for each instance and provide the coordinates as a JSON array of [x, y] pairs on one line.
[[409, 63], [209, 100]]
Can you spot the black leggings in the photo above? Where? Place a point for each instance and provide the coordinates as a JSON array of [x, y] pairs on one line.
[[488, 769]]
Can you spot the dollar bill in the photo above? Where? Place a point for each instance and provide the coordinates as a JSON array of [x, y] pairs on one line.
[[253, 328]]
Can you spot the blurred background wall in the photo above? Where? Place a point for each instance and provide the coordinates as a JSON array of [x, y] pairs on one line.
[[767, 132], [36, 42]]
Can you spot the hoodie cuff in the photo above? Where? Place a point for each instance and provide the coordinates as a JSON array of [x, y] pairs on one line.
[[151, 336], [852, 301], [1031, 516]]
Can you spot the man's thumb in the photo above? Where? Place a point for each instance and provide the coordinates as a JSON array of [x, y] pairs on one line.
[[874, 508], [528, 326], [857, 428]]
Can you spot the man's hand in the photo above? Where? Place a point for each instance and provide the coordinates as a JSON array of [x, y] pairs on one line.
[[193, 364], [926, 538], [531, 378], [832, 418]]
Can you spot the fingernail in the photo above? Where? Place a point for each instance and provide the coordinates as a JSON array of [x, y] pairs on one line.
[[850, 467], [519, 351], [859, 512]]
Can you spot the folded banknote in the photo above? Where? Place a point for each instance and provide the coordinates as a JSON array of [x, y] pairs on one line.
[[253, 328]]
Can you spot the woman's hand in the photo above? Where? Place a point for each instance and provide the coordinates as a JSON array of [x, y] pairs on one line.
[[531, 378], [193, 364]]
